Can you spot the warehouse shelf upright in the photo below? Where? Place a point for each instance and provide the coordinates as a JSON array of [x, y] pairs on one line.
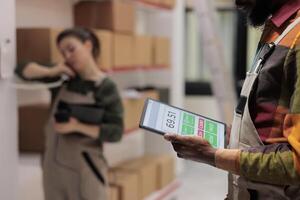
[[158, 21]]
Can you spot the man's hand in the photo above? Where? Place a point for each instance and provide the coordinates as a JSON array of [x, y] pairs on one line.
[[193, 148], [66, 128]]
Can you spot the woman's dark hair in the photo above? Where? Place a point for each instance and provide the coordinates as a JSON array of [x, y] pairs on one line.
[[83, 34]]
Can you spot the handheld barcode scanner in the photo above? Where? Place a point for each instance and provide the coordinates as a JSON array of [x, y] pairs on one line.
[[63, 113], [85, 113]]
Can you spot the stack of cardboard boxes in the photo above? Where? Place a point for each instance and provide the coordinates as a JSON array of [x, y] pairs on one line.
[[128, 49], [114, 24], [137, 179]]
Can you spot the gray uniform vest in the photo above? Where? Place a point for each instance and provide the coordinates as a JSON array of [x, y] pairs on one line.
[[74, 166], [244, 135]]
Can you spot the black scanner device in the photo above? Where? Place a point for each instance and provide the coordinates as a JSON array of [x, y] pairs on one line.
[[86, 113]]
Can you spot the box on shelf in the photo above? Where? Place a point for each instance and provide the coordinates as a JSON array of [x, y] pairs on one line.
[[113, 193], [162, 54], [143, 50], [146, 172], [117, 16], [155, 2], [127, 184], [166, 169], [134, 107], [123, 50], [105, 59], [168, 3], [38, 44], [32, 121]]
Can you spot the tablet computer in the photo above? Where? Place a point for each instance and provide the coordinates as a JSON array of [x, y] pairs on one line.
[[162, 118]]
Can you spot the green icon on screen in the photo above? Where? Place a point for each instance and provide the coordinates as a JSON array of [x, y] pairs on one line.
[[187, 130], [188, 119], [211, 127], [212, 139]]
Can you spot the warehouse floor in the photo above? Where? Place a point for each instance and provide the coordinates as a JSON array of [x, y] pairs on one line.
[[200, 181]]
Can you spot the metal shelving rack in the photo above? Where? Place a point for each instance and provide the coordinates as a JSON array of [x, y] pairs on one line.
[[157, 20]]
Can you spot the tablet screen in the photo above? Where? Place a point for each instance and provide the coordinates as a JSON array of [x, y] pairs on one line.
[[162, 118]]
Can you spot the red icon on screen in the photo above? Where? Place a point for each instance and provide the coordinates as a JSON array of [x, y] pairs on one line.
[[201, 124], [200, 133]]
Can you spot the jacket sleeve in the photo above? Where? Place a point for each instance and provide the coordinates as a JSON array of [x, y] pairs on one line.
[[19, 71], [279, 163], [111, 128]]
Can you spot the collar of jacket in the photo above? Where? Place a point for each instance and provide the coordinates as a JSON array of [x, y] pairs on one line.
[[81, 86], [285, 12]]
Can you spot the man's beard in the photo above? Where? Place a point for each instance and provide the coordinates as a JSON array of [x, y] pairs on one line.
[[260, 13]]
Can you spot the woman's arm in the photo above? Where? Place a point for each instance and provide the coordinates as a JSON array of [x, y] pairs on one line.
[[34, 70], [92, 131]]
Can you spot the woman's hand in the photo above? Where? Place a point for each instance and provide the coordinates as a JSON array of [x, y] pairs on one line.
[[66, 128], [193, 148], [60, 69], [73, 125]]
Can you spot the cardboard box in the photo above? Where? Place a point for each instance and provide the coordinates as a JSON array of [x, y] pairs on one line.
[[168, 3], [133, 109], [147, 175], [32, 121], [154, 2], [113, 193], [117, 16], [105, 59], [38, 44], [127, 184], [162, 51], [123, 51], [143, 51], [132, 113], [165, 168]]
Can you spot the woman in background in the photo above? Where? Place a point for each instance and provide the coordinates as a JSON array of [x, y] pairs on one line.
[[86, 111]]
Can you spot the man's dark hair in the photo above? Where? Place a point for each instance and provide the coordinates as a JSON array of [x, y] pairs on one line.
[[83, 34], [259, 11]]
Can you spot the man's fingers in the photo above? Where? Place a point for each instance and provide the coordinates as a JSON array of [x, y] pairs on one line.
[[187, 157], [170, 137], [186, 140], [185, 150]]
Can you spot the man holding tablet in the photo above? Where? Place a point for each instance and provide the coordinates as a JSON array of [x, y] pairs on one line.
[[263, 157]]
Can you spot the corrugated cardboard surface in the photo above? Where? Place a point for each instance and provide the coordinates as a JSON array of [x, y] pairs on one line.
[[106, 49], [168, 3], [113, 193], [126, 183], [32, 121], [123, 50], [162, 54], [165, 168], [38, 45], [111, 15], [143, 51], [133, 109], [146, 172]]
